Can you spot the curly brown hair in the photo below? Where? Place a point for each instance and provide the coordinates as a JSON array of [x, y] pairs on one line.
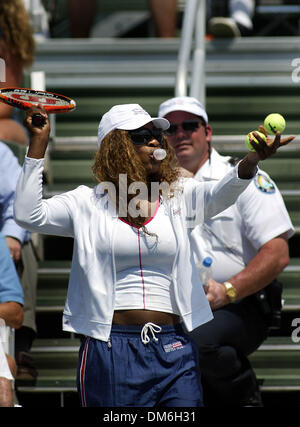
[[15, 29], [117, 155]]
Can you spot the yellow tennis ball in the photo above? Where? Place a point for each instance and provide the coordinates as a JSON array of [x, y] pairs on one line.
[[274, 122], [247, 141]]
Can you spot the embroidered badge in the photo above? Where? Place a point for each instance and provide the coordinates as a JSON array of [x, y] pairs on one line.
[[264, 184], [173, 347]]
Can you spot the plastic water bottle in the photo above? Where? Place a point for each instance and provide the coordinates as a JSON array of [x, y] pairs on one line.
[[204, 269]]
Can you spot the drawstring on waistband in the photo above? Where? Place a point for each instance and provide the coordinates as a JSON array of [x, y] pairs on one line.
[[154, 329]]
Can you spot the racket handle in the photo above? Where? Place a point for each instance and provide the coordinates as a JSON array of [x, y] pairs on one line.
[[38, 120]]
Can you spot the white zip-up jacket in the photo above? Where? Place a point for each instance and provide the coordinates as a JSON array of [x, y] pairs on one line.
[[87, 215]]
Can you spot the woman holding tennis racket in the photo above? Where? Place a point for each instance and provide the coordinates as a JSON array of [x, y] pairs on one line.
[[133, 284]]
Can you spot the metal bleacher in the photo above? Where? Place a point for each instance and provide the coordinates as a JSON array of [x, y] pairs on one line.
[[245, 80]]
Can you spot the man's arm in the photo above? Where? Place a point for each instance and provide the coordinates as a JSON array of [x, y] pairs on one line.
[[11, 293], [270, 260], [12, 313], [14, 246], [9, 174]]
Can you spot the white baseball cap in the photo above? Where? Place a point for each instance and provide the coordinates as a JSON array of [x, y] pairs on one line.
[[127, 117], [183, 103]]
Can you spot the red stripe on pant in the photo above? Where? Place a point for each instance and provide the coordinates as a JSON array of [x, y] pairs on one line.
[[82, 372]]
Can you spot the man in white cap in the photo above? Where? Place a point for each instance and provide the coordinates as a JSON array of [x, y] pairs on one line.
[[248, 253]]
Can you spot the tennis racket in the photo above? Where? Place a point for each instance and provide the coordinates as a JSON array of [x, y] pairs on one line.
[[25, 98]]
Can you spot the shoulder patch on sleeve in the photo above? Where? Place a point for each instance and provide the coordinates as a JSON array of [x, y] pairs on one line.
[[264, 183]]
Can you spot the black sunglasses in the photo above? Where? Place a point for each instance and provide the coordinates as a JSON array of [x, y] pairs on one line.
[[187, 125], [144, 135]]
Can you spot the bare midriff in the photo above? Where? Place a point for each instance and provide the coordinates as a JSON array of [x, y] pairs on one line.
[[140, 317]]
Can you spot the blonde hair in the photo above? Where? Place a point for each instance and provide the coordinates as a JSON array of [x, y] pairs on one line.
[[117, 155], [16, 31]]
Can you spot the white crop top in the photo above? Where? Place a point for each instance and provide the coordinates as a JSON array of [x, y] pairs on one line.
[[144, 265]]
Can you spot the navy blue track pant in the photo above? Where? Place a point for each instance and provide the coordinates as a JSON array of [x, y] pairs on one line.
[[126, 372]]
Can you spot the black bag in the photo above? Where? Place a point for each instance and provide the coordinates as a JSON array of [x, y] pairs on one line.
[[270, 303]]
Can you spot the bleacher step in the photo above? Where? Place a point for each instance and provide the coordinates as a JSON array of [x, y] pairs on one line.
[[277, 364]]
